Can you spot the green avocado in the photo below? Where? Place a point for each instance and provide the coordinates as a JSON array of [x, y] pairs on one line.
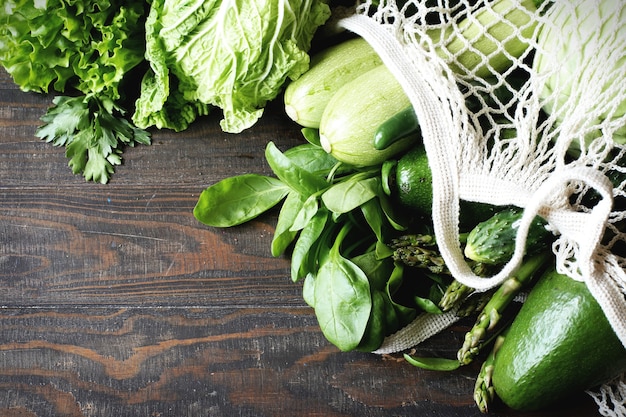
[[559, 345]]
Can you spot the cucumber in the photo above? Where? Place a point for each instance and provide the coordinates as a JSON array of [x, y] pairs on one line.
[[331, 68], [355, 111], [559, 344], [413, 186], [493, 241]]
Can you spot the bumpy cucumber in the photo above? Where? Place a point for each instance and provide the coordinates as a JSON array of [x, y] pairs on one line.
[[493, 241], [307, 97], [559, 345]]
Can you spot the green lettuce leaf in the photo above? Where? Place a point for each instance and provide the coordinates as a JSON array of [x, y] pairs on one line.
[[231, 54], [85, 45]]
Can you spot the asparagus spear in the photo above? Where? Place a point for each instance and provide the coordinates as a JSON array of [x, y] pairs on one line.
[[490, 316], [484, 393], [458, 295], [412, 253], [419, 251]]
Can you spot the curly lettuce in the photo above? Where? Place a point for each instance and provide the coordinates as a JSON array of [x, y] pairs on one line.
[[60, 44], [231, 54]]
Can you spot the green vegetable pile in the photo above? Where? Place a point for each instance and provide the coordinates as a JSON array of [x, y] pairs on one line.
[[233, 54], [356, 222], [191, 55], [333, 220], [356, 197]]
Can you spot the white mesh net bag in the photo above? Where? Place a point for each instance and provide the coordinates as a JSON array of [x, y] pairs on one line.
[[548, 136]]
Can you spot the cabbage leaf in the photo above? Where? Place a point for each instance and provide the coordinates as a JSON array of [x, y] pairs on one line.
[[231, 54]]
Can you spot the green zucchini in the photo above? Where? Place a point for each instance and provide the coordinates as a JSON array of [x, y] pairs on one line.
[[405, 122], [500, 21], [493, 240], [479, 37], [354, 113], [559, 344], [331, 68]]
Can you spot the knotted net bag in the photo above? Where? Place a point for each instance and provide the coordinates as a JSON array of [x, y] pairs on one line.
[[548, 135]]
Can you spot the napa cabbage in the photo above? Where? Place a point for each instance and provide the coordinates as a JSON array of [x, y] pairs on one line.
[[232, 54]]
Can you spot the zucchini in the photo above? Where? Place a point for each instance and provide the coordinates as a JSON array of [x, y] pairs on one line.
[[493, 240], [354, 113], [480, 37], [559, 344], [306, 97], [406, 123], [488, 28]]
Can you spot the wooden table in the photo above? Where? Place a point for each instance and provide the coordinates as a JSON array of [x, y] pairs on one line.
[[117, 302]]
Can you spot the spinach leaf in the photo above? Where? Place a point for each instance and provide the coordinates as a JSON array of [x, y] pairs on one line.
[[427, 305], [405, 314], [433, 364], [376, 326], [387, 172], [383, 251], [375, 217], [308, 236], [311, 135], [308, 290], [305, 214], [378, 271], [238, 199], [311, 158], [283, 235], [342, 298], [392, 216], [291, 174], [347, 195]]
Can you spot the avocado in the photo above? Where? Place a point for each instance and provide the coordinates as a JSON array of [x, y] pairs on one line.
[[560, 343]]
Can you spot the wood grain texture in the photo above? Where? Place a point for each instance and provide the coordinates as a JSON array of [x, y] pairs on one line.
[[115, 301]]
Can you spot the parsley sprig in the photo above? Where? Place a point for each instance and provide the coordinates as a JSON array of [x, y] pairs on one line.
[[93, 131]]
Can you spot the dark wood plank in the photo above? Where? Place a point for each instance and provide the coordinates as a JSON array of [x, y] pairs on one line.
[[216, 362], [69, 241], [132, 246], [115, 301]]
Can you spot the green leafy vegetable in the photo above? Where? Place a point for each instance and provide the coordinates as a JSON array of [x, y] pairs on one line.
[[433, 364], [334, 221], [581, 56], [233, 54], [92, 135], [87, 45], [345, 291], [238, 199], [77, 46]]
